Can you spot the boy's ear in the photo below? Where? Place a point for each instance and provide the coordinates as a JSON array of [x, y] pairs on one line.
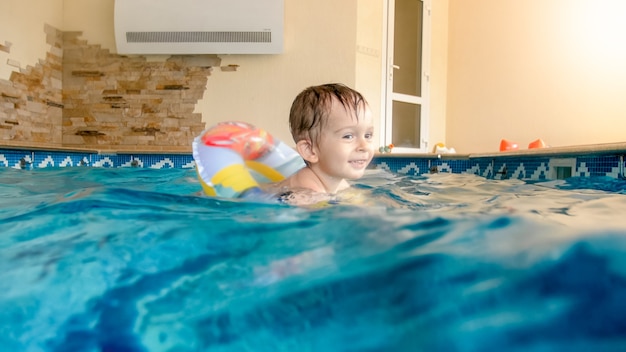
[[306, 151]]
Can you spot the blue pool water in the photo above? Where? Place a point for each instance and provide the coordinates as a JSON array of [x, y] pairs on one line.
[[95, 259]]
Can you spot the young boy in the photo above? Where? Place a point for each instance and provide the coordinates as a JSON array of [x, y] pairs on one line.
[[333, 129]]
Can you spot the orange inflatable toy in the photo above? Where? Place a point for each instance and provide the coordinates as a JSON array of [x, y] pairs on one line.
[[536, 144], [506, 145]]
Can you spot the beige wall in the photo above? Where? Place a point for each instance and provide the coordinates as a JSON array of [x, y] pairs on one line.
[[370, 56], [438, 72], [94, 18], [26, 32], [320, 40], [531, 69]]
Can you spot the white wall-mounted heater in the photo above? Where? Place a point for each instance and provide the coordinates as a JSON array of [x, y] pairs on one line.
[[199, 26]]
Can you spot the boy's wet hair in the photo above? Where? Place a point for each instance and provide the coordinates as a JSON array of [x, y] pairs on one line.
[[310, 109]]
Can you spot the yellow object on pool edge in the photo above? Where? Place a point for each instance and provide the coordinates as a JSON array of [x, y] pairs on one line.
[[234, 157], [441, 148]]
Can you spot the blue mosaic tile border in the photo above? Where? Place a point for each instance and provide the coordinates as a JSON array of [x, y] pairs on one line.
[[535, 167], [22, 159]]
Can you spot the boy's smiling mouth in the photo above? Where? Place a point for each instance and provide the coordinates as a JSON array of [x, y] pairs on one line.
[[358, 163]]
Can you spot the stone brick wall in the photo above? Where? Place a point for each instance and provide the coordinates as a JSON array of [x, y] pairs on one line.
[[82, 96], [31, 100]]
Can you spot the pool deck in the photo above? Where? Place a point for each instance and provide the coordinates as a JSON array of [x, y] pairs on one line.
[[12, 145], [606, 148]]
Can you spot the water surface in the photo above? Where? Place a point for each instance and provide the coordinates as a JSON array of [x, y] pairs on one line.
[[95, 259]]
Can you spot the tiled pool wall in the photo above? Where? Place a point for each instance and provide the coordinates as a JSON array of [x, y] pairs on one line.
[[526, 167], [35, 159]]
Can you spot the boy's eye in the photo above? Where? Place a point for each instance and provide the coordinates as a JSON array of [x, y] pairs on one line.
[[348, 136], [369, 135]]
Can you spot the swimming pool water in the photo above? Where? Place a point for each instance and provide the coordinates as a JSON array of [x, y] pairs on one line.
[[96, 259]]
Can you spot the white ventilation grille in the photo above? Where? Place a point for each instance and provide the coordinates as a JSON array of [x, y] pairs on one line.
[[199, 37], [199, 26]]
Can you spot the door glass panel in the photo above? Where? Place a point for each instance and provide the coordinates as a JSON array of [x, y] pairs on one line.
[[408, 47], [406, 125]]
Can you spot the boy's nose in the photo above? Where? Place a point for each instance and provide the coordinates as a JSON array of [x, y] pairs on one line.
[[364, 144]]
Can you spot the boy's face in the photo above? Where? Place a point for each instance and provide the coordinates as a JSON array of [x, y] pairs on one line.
[[346, 143]]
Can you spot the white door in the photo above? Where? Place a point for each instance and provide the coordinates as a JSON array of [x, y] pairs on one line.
[[407, 83]]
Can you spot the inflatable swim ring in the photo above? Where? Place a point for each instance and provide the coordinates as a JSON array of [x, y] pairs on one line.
[[233, 158]]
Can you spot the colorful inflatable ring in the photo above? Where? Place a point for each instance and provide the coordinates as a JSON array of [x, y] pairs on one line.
[[233, 158]]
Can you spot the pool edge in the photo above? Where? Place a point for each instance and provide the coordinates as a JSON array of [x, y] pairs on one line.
[[535, 164]]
